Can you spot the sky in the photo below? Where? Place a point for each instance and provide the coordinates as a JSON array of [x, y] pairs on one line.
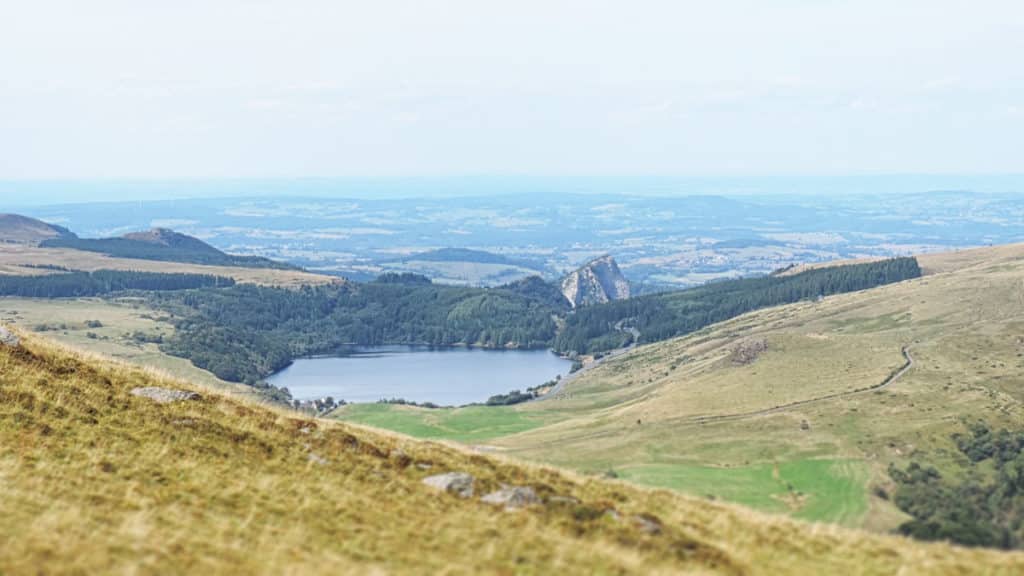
[[232, 89]]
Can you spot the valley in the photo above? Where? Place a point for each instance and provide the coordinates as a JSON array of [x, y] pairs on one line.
[[535, 288], [660, 414], [792, 393]]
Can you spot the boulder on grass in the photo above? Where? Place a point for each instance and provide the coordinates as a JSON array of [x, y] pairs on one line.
[[164, 395], [458, 483], [512, 497], [7, 338]]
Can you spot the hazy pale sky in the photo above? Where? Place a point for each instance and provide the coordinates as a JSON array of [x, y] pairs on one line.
[[267, 88]]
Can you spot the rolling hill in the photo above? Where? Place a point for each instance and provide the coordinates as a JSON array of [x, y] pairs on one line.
[[17, 229], [162, 244], [30, 247], [789, 409], [111, 469]]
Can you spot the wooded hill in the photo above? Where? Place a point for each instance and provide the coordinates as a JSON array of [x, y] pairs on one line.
[[163, 245]]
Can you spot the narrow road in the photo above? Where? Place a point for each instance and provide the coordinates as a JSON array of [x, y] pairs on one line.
[[594, 364], [889, 381]]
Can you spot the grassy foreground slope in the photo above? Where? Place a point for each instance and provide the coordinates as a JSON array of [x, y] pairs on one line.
[[97, 480], [781, 409]]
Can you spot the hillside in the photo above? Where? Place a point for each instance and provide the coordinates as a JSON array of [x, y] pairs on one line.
[[163, 245], [171, 239], [17, 229], [596, 282], [789, 409], [101, 478]]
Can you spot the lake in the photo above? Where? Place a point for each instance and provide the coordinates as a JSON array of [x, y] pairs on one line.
[[445, 376]]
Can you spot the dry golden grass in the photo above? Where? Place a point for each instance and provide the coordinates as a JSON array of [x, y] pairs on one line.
[[96, 480], [13, 258]]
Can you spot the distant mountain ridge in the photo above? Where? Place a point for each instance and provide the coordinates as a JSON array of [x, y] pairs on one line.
[[160, 244], [469, 255], [596, 282], [171, 239], [18, 229]]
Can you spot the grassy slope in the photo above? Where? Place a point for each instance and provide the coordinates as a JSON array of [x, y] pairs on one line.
[[963, 322], [467, 424], [64, 320], [99, 481]]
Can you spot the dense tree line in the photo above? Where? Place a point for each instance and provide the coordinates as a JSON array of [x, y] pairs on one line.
[[984, 507], [79, 284], [665, 315], [247, 332]]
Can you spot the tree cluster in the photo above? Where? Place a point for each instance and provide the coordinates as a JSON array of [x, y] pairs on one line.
[[100, 282], [983, 507]]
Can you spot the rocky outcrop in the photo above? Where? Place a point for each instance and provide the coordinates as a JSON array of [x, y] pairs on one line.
[[746, 352], [457, 483], [512, 497], [597, 281], [164, 395]]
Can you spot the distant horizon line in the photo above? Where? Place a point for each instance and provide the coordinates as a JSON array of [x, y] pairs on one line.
[[40, 192], [515, 175]]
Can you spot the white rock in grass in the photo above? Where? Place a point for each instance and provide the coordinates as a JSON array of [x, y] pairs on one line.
[[164, 395], [512, 497], [458, 483], [7, 338]]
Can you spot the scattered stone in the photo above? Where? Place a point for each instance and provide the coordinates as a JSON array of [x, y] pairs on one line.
[[7, 338], [458, 483], [317, 459], [748, 351], [424, 465], [164, 395], [512, 497], [563, 500], [647, 523], [613, 514], [187, 422]]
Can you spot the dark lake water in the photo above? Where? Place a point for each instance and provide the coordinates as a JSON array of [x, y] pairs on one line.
[[446, 376]]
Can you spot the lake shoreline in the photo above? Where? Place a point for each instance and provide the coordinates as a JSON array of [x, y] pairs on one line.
[[407, 374]]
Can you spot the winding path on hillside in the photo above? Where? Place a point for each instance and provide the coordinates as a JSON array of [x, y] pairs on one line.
[[554, 392], [889, 381]]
